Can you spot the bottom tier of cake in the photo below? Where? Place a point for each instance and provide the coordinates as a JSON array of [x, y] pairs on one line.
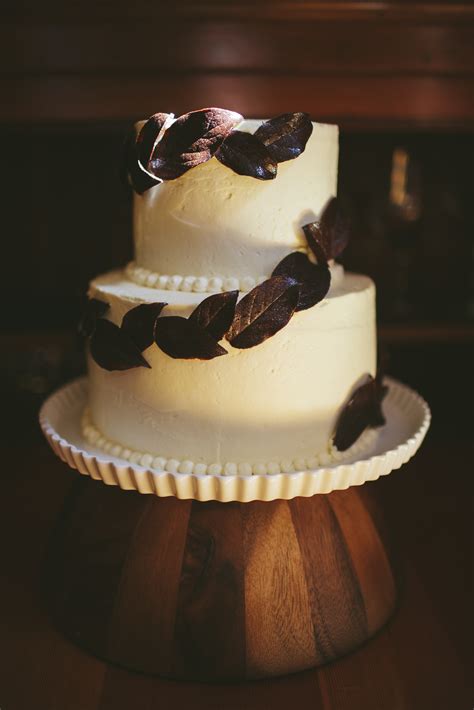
[[274, 404]]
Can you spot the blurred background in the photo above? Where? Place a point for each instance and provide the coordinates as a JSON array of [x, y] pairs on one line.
[[398, 77]]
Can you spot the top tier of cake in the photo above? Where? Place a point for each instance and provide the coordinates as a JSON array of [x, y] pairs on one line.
[[212, 222]]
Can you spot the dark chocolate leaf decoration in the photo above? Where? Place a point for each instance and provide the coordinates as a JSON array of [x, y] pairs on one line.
[[148, 136], [379, 392], [139, 323], [131, 171], [183, 338], [192, 139], [216, 313], [328, 236], [364, 409], [93, 310], [314, 279], [246, 155], [113, 349], [263, 311], [285, 136]]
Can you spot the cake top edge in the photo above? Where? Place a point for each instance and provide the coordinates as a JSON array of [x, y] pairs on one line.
[[165, 147]]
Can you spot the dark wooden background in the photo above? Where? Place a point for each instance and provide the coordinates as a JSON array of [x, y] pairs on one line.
[[393, 75]]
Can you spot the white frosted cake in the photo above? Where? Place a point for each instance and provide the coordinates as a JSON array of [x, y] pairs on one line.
[[260, 404]]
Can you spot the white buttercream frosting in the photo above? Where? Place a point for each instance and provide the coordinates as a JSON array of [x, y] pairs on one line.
[[173, 465], [281, 396], [267, 409], [213, 223]]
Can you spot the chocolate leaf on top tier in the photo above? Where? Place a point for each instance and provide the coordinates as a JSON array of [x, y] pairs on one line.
[[263, 311], [149, 135], [246, 155], [131, 170], [216, 313], [93, 310], [113, 349], [182, 338], [192, 139], [328, 236], [285, 136], [314, 279], [364, 409], [139, 323]]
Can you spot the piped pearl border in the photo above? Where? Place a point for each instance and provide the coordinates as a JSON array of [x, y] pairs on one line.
[[160, 464], [198, 284]]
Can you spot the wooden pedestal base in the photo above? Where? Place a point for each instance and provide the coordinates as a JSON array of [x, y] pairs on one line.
[[219, 591]]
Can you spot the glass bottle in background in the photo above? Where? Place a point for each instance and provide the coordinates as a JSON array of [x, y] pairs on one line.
[[403, 230]]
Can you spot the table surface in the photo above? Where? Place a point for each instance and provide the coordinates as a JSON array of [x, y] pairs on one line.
[[419, 661]]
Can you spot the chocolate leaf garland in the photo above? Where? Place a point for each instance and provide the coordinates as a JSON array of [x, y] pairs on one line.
[[216, 313], [131, 170], [285, 136], [182, 338], [138, 150], [165, 150], [192, 139], [263, 312], [149, 135], [328, 236], [314, 279], [113, 349], [93, 310], [364, 409], [139, 323], [245, 154]]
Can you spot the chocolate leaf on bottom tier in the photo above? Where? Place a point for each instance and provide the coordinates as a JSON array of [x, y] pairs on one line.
[[364, 409]]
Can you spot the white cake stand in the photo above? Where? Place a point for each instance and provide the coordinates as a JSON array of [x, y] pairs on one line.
[[407, 415], [219, 578]]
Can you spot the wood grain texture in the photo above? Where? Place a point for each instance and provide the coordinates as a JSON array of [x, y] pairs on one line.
[[337, 604], [369, 558], [154, 557], [210, 618], [414, 62], [417, 101], [279, 627], [420, 660], [85, 558], [121, 11], [216, 45], [218, 592]]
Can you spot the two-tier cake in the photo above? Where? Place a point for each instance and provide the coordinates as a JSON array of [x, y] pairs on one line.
[[238, 216]]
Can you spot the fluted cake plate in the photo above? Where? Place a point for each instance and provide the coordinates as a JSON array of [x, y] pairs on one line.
[[407, 421]]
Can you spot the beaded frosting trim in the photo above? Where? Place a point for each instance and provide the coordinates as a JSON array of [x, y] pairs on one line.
[[198, 284], [160, 464]]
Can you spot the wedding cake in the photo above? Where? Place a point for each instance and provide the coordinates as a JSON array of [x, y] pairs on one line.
[[234, 343]]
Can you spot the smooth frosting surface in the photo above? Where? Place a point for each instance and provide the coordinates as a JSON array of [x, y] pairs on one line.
[[211, 222], [277, 401], [174, 465]]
